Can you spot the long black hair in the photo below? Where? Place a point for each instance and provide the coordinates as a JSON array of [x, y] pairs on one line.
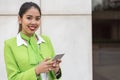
[[24, 7]]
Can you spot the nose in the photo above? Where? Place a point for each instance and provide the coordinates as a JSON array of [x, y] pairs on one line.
[[33, 21]]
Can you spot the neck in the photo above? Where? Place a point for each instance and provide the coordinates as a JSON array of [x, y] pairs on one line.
[[29, 35]]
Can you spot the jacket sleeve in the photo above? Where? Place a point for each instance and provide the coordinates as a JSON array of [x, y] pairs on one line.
[[13, 71], [59, 74]]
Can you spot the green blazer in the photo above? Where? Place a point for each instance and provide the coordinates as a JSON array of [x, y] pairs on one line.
[[17, 62]]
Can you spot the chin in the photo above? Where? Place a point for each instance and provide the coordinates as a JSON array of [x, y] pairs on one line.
[[31, 33]]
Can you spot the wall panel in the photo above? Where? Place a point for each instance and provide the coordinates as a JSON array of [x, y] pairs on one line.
[[66, 6], [12, 6], [71, 35]]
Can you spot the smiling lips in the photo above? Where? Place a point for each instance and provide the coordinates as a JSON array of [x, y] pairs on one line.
[[32, 28]]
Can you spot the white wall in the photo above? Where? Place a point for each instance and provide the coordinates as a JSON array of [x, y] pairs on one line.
[[67, 23]]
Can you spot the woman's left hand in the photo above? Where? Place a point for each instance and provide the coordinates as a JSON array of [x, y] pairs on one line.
[[56, 65]]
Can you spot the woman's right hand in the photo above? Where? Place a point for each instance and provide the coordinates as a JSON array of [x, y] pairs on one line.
[[44, 66]]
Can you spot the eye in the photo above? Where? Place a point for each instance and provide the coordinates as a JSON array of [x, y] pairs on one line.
[[29, 18], [37, 18]]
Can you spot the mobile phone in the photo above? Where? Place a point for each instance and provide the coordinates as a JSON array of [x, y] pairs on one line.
[[58, 56]]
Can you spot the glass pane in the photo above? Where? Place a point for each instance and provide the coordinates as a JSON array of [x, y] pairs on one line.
[[106, 39]]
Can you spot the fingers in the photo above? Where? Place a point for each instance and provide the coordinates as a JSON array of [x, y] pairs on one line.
[[49, 62], [55, 65], [56, 68], [58, 61], [47, 59], [52, 65], [48, 65]]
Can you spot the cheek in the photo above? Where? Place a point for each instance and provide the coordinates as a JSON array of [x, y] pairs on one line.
[[24, 22], [38, 23]]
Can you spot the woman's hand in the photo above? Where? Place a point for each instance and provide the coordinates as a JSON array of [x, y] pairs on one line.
[[56, 65], [44, 66]]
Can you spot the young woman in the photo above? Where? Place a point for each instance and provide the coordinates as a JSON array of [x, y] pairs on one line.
[[28, 55]]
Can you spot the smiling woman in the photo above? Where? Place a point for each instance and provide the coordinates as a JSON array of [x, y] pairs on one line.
[[30, 21], [27, 56]]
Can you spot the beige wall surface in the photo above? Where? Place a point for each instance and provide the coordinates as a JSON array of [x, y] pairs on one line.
[[67, 23]]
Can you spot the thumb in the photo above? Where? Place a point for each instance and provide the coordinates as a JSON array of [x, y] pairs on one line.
[[47, 59]]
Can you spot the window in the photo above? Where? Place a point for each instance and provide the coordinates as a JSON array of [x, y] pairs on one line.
[[106, 39]]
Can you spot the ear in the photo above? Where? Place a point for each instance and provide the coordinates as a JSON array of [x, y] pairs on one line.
[[19, 20]]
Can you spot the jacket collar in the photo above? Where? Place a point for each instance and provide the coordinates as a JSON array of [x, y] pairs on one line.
[[20, 41]]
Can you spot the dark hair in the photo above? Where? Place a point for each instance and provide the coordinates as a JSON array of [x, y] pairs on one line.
[[26, 6]]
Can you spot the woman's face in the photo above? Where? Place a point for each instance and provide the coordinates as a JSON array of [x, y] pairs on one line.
[[30, 21]]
